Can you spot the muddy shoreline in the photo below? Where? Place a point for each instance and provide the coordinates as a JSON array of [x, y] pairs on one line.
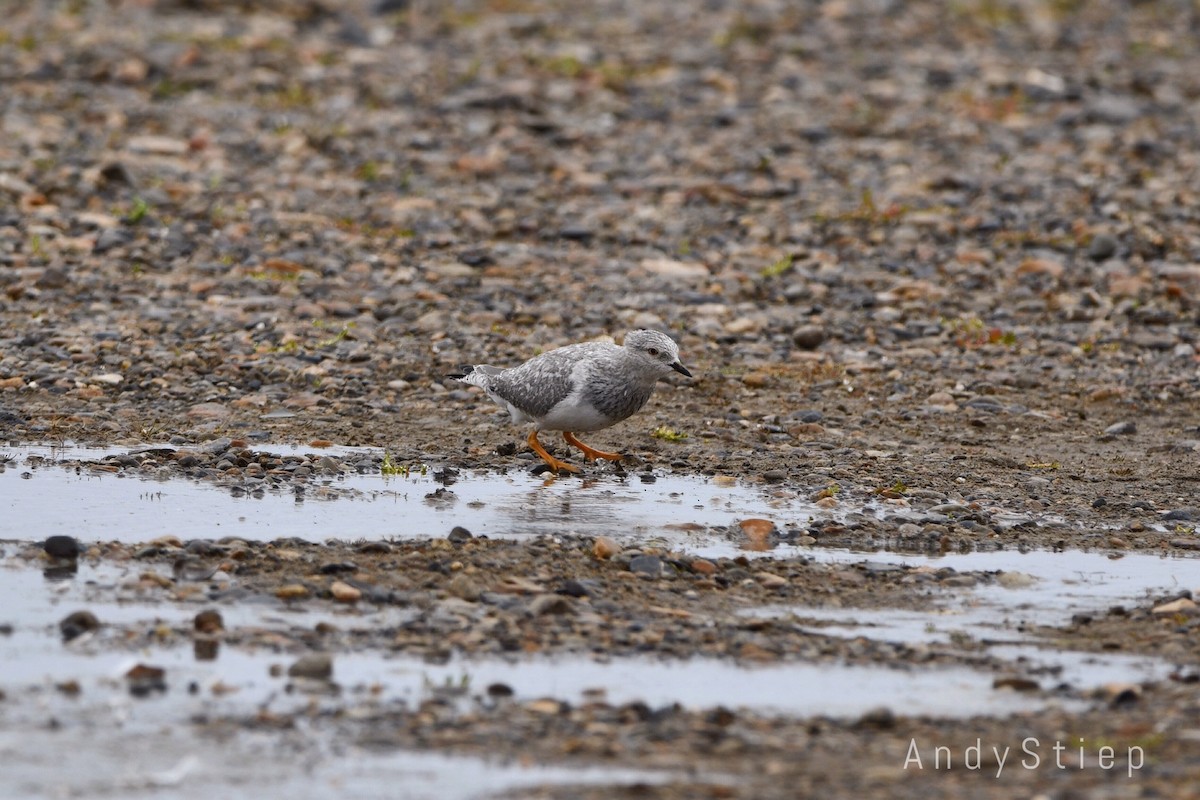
[[934, 271]]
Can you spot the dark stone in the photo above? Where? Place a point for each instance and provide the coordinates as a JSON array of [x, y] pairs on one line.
[[62, 547], [77, 624], [575, 588], [1102, 247], [459, 535], [646, 565], [110, 238], [335, 568]]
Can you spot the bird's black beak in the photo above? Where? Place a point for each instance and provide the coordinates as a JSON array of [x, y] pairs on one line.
[[681, 369]]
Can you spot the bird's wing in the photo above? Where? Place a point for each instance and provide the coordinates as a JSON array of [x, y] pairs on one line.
[[541, 383]]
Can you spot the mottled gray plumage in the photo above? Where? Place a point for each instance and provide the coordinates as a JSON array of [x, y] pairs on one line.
[[581, 387]]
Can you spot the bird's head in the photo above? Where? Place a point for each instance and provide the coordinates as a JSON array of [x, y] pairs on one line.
[[657, 349]]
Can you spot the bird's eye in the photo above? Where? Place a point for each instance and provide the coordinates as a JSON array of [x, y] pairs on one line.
[[653, 351]]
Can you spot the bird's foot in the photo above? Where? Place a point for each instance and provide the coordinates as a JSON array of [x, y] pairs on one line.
[[554, 464], [590, 453]]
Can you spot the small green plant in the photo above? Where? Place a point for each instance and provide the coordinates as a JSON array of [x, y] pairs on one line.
[[832, 490], [971, 332], [36, 247], [449, 685], [778, 268], [337, 337], [391, 469], [137, 211], [668, 434], [368, 171]]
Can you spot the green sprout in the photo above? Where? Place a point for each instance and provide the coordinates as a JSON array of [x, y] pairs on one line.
[[668, 434]]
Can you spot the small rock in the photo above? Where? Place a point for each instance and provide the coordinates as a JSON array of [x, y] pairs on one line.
[[574, 588], [335, 568], [459, 535], [545, 604], [1186, 514], [703, 566], [1121, 429], [77, 624], [144, 679], [315, 666], [53, 278], [62, 547], [881, 719], [1016, 684], [344, 592], [646, 565], [1102, 247], [464, 587], [292, 591], [1181, 606], [1121, 694], [1186, 544], [769, 580], [1016, 580], [209, 621], [808, 337], [605, 548], [499, 690], [774, 475], [546, 706]]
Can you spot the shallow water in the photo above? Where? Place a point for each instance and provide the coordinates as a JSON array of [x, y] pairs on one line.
[[692, 514], [42, 498]]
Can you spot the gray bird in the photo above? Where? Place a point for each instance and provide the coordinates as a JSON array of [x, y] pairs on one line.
[[579, 387]]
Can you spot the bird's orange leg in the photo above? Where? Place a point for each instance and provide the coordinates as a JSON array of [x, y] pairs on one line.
[[590, 453], [554, 463]]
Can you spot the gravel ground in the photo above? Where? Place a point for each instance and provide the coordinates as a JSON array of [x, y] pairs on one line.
[[947, 253]]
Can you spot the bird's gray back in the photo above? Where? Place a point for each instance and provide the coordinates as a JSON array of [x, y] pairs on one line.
[[542, 382]]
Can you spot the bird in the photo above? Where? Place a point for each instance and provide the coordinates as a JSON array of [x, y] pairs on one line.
[[579, 388]]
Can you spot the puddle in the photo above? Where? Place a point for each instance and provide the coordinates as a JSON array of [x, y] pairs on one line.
[[118, 762], [1039, 587], [42, 498], [33, 654], [120, 744], [39, 499]]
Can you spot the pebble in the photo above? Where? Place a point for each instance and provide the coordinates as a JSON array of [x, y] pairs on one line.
[[1183, 605], [314, 666], [769, 580], [546, 604], [208, 622], [292, 591], [459, 535], [605, 547], [651, 566], [66, 547], [344, 592], [143, 680], [1121, 429], [1102, 247], [464, 587], [78, 623], [808, 337]]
